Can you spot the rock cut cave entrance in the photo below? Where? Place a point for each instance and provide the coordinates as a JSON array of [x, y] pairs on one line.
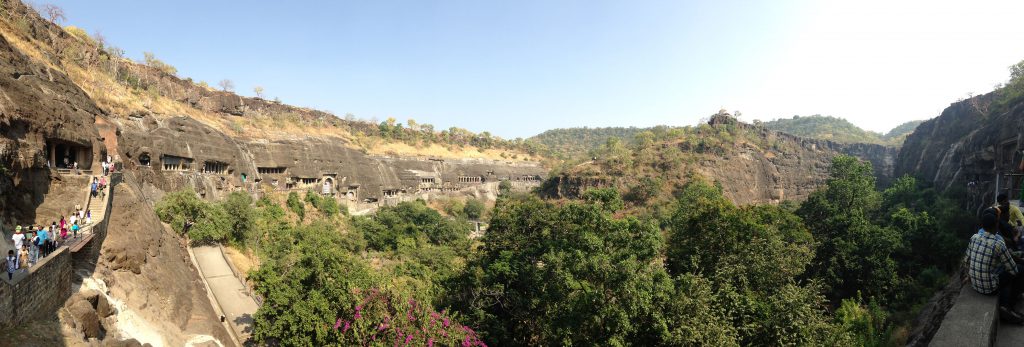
[[64, 154]]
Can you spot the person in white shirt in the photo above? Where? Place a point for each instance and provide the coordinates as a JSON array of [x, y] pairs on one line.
[[18, 238]]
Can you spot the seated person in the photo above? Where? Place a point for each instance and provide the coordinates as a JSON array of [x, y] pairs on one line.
[[992, 269], [1010, 221]]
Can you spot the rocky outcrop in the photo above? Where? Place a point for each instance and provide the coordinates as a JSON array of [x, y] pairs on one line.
[[39, 107], [145, 265], [965, 148], [180, 152], [762, 166]]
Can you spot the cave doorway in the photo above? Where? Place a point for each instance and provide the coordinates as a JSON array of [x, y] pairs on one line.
[[328, 187], [65, 154]]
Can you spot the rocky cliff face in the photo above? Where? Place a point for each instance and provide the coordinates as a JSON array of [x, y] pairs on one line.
[[966, 148], [181, 152], [46, 118], [39, 108], [757, 166]]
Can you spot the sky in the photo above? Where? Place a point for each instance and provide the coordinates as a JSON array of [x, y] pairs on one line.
[[517, 68]]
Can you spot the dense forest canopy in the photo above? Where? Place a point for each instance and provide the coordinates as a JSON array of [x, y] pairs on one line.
[[845, 267]]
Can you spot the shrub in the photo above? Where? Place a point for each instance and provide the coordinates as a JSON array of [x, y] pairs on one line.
[[296, 205], [474, 209], [382, 318]]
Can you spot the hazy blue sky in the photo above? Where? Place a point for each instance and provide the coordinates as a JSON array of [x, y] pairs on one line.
[[517, 68]]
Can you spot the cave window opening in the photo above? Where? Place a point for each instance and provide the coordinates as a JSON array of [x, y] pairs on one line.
[[214, 167], [470, 179], [144, 159], [270, 170], [174, 163]]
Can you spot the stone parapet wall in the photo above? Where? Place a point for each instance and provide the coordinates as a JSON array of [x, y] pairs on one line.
[[45, 286], [41, 292]]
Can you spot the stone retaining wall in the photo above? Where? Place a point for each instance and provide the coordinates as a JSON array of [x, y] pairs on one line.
[[39, 293], [47, 285]]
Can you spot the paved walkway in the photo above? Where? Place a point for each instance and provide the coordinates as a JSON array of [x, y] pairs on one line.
[[228, 291]]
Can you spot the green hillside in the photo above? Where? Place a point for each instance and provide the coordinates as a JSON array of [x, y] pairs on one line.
[[840, 130], [825, 128], [571, 143], [900, 132]]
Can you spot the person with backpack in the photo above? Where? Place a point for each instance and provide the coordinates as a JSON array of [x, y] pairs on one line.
[[12, 264]]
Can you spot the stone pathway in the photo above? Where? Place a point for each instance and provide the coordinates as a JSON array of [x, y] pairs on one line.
[[228, 291]]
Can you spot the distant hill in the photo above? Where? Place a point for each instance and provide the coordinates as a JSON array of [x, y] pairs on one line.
[[825, 128], [898, 134], [570, 143], [839, 130], [751, 163]]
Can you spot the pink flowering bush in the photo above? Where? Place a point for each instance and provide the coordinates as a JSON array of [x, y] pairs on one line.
[[381, 318]]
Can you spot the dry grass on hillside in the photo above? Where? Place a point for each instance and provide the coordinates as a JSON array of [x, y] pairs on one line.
[[116, 99], [243, 260], [436, 150]]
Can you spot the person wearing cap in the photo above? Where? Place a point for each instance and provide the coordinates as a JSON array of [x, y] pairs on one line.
[[18, 238], [992, 269]]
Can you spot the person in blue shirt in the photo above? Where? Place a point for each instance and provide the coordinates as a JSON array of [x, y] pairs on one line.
[[43, 241]]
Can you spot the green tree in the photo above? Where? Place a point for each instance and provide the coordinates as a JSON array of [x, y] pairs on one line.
[[241, 216], [856, 254], [306, 281], [474, 209], [548, 274], [410, 220], [296, 206]]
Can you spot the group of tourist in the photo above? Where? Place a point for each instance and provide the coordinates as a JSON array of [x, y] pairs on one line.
[[98, 183], [108, 166], [995, 257], [35, 242]]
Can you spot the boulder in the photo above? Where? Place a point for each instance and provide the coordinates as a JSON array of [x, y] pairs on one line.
[[86, 320], [104, 308], [92, 296]]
